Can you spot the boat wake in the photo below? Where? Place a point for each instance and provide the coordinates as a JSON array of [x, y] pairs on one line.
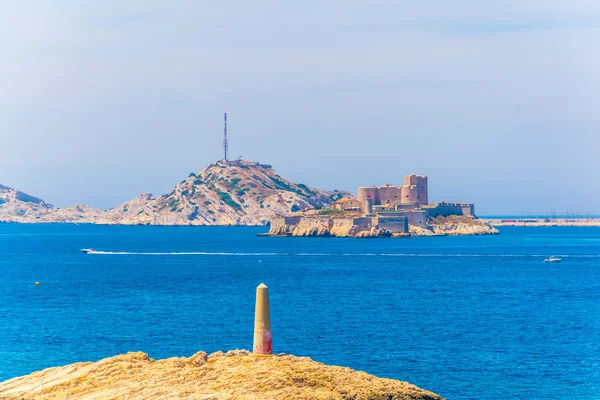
[[205, 253]]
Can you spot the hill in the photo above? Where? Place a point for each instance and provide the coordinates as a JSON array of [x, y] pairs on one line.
[[233, 375], [17, 206], [224, 193]]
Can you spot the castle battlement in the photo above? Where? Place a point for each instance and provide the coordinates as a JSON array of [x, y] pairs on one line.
[[413, 192]]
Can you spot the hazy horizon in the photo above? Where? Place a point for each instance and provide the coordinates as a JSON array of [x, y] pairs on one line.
[[497, 104]]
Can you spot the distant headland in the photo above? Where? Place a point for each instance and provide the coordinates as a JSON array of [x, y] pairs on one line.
[[224, 193]]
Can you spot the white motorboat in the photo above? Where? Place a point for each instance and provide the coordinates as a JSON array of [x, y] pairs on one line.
[[553, 259], [88, 251]]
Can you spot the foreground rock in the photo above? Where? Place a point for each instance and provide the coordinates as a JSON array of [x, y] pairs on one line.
[[235, 375]]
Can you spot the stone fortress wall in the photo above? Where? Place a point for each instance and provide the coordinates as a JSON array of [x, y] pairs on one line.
[[384, 208], [444, 209], [410, 197], [414, 191], [316, 225]]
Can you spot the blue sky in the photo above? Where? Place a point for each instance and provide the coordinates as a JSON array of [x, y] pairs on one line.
[[497, 102]]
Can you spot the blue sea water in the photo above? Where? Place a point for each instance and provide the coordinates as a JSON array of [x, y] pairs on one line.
[[466, 317]]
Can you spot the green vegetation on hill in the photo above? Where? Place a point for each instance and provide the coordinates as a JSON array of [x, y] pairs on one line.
[[226, 198]]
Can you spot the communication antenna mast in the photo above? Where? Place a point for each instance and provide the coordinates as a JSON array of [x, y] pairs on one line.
[[225, 144]]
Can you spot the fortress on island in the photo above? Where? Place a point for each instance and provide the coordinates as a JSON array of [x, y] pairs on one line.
[[377, 211]]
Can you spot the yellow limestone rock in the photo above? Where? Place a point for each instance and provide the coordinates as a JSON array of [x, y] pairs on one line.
[[221, 376]]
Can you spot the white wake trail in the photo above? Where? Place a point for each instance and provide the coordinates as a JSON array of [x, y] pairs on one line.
[[240, 254]]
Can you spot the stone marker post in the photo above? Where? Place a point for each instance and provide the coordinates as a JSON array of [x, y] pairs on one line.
[[262, 322]]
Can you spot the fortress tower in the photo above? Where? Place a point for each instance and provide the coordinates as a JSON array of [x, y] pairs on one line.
[[416, 189], [413, 192]]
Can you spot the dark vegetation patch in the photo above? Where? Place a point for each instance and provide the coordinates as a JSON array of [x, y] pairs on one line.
[[193, 214], [306, 189], [329, 211], [226, 198], [174, 204], [24, 197], [280, 184]]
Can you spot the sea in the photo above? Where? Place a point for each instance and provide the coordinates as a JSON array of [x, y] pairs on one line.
[[478, 317]]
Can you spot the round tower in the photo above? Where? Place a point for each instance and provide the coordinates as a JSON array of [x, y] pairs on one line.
[[365, 191], [410, 195], [415, 189], [368, 205]]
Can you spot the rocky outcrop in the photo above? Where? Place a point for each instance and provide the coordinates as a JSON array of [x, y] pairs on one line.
[[233, 375], [233, 193], [16, 206], [455, 225], [372, 227], [326, 226]]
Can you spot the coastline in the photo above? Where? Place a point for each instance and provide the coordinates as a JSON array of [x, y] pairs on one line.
[[542, 222], [361, 227]]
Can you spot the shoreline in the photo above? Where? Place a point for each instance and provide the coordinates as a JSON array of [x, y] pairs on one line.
[[544, 222]]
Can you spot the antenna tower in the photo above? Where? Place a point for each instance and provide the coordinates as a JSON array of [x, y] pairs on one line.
[[225, 144]]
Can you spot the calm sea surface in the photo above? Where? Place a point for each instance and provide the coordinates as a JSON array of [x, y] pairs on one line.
[[466, 317]]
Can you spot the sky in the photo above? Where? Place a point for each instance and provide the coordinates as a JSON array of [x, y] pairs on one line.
[[497, 102]]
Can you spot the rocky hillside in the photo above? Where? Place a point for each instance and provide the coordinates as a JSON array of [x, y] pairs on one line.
[[16, 206], [234, 193], [234, 375]]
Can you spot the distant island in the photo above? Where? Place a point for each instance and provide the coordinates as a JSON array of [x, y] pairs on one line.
[[385, 211], [224, 193], [252, 194]]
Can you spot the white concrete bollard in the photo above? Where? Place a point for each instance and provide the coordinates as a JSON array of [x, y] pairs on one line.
[[262, 322]]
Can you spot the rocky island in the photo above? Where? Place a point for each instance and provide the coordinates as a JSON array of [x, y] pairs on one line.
[[249, 193], [386, 211], [224, 193], [16, 206], [236, 374]]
